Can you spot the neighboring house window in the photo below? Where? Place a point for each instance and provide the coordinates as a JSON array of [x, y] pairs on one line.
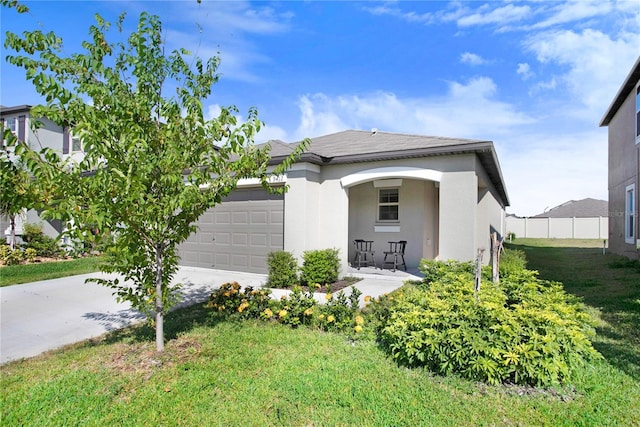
[[630, 214], [388, 204], [12, 124], [76, 144], [638, 115]]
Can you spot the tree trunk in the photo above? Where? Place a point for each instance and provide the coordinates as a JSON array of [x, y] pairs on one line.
[[159, 304], [12, 242]]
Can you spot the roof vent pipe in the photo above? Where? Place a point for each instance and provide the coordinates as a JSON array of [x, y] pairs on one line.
[[374, 131]]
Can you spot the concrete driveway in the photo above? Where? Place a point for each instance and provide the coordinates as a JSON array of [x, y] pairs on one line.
[[40, 316]]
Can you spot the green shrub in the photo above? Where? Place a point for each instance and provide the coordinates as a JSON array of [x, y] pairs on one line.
[[512, 261], [524, 330], [12, 257], [44, 245], [30, 254], [283, 269], [4, 251], [320, 266], [434, 270]]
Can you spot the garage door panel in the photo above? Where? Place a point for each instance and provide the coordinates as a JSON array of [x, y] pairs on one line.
[[222, 238], [241, 218], [223, 218], [240, 261], [259, 240], [240, 239], [259, 217], [276, 217], [246, 226]]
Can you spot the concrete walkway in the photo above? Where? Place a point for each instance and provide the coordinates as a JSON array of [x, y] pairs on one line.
[[40, 316]]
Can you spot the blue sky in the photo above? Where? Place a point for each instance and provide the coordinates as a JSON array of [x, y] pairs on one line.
[[534, 77]]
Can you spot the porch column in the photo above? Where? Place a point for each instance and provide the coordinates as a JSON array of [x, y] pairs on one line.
[[457, 215]]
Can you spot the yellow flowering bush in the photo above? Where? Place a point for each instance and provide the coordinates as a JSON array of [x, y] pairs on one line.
[[230, 298]]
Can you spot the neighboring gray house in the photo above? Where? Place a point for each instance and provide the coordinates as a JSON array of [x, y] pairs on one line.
[[442, 195], [49, 135], [623, 120], [585, 208]]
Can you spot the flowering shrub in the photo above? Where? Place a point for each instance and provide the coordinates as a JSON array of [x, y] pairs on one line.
[[341, 313], [231, 299], [11, 257]]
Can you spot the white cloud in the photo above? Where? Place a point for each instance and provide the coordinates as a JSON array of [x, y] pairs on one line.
[[525, 71], [468, 110], [472, 59], [595, 63], [270, 133], [423, 18], [505, 15], [574, 10]]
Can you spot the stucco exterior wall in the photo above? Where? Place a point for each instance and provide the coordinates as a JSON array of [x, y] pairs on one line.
[[490, 218], [458, 216], [623, 171], [301, 204]]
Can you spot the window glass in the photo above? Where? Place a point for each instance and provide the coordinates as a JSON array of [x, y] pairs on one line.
[[76, 145], [388, 204], [630, 214]]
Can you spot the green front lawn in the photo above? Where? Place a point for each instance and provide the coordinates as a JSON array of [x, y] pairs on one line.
[[256, 373], [26, 273]]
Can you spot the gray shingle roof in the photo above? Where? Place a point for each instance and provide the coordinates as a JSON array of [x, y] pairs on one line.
[[354, 146], [585, 208]]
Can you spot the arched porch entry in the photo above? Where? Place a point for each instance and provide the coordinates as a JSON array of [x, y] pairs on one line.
[[395, 203]]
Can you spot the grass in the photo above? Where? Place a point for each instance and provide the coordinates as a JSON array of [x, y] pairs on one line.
[[25, 273], [609, 284], [251, 373]]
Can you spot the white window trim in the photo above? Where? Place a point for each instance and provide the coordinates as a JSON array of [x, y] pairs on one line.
[[379, 204], [630, 213]]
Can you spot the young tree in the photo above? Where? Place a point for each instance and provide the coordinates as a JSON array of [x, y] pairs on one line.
[[153, 164]]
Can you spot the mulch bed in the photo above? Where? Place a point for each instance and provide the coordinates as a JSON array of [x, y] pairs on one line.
[[335, 286]]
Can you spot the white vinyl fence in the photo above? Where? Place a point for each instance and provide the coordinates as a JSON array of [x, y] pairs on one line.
[[559, 228]]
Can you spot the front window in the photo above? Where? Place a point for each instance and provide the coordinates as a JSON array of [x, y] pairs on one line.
[[388, 202], [630, 214]]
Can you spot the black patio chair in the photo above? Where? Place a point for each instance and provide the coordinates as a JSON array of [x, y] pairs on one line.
[[365, 255], [396, 252]]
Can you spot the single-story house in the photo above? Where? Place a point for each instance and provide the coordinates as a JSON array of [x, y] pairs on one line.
[[444, 196]]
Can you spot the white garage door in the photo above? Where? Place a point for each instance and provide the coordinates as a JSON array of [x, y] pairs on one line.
[[238, 234]]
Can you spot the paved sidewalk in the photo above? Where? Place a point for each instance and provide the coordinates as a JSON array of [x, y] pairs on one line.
[[40, 316]]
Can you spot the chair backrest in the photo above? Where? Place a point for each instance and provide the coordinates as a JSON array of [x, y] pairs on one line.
[[398, 247], [363, 245]]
